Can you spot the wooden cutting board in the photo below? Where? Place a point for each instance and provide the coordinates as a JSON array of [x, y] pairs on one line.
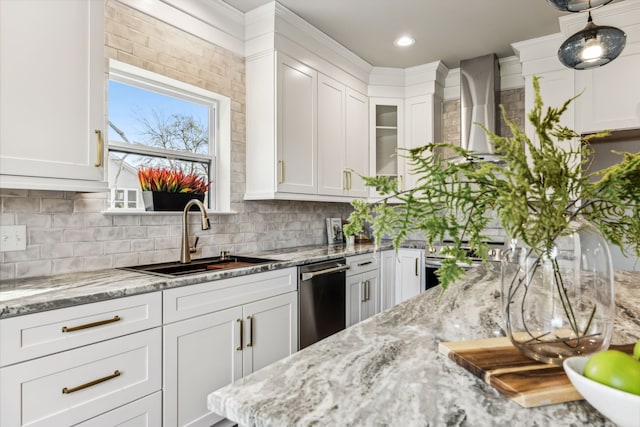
[[498, 363]]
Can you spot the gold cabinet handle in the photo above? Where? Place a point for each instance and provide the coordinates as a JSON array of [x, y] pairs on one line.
[[98, 162], [417, 272], [400, 182], [91, 383], [239, 348], [349, 180], [345, 182], [281, 171], [250, 319], [90, 325]]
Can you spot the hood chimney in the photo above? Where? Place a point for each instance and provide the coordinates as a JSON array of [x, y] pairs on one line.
[[479, 100]]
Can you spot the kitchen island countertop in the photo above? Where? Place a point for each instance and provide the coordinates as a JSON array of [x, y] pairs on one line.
[[387, 370]]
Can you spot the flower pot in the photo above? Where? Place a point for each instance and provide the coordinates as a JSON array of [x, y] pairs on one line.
[[165, 201], [561, 303]]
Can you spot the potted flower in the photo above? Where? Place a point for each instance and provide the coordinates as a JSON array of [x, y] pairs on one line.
[[166, 189], [557, 278]]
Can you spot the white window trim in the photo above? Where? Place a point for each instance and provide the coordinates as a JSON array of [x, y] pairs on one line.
[[222, 179]]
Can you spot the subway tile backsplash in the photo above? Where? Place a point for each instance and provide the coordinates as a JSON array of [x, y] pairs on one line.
[[79, 239]]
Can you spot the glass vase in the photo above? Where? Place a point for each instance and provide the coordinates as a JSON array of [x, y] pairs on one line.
[[560, 302]]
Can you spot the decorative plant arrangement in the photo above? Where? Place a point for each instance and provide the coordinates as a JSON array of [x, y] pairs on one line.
[[557, 277], [166, 189], [171, 181]]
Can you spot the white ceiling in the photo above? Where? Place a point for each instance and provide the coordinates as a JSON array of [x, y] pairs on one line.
[[446, 30]]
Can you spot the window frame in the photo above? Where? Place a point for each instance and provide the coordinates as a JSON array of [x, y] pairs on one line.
[[219, 156]]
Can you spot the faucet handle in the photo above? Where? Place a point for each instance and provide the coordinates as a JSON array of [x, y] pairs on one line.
[[192, 249]]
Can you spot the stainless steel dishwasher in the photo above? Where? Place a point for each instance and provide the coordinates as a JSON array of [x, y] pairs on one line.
[[322, 298]]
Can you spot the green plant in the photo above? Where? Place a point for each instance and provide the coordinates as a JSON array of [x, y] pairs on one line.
[[534, 195], [171, 180]]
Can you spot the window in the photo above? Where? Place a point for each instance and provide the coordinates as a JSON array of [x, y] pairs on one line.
[[161, 122]]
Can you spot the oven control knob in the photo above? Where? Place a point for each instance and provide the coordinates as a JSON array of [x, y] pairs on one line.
[[492, 253]]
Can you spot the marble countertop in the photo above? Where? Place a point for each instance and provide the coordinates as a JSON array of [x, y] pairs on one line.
[[32, 295], [387, 370]]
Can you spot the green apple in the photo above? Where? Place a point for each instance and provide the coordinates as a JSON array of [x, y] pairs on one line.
[[615, 369]]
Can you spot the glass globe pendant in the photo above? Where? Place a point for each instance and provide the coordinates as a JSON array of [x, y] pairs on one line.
[[592, 47], [577, 5]]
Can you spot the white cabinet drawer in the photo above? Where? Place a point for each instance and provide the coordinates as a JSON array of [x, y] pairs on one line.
[[361, 263], [34, 335], [33, 393], [145, 412], [190, 301]]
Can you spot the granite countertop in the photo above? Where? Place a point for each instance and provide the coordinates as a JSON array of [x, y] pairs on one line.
[[387, 370], [32, 295]]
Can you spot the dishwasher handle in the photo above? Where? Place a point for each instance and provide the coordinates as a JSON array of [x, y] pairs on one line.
[[308, 276]]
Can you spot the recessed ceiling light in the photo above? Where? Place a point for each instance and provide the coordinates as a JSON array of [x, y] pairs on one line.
[[404, 41]]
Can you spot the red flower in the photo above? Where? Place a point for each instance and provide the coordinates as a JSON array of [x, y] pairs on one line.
[[171, 180]]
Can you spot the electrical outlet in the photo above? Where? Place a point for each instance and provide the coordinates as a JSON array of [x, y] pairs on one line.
[[13, 238]]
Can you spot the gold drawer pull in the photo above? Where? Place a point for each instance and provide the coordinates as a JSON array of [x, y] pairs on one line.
[[281, 167], [98, 162], [90, 325], [92, 383], [239, 348], [250, 319]]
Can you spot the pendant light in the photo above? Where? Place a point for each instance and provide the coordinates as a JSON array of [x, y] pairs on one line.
[[577, 5], [592, 47]]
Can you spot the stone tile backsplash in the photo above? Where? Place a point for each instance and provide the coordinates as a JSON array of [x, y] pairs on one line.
[[78, 239]]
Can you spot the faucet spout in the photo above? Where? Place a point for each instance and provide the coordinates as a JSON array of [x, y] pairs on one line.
[[185, 248]]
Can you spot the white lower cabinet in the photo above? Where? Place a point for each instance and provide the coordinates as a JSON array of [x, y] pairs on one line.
[[69, 387], [78, 364], [362, 284], [200, 355], [209, 351], [387, 279], [409, 274], [145, 412]]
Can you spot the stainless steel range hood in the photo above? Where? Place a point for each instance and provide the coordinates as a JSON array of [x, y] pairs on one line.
[[479, 100]]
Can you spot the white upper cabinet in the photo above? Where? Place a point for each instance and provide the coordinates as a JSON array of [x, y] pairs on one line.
[[307, 111], [357, 145], [52, 95], [281, 127], [321, 133], [331, 136], [342, 139], [386, 138], [421, 128], [405, 113], [296, 126], [611, 98]]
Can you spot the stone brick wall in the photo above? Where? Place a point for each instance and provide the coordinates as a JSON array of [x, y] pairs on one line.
[[512, 100], [67, 232]]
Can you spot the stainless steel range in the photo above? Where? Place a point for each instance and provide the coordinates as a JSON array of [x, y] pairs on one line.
[[434, 255]]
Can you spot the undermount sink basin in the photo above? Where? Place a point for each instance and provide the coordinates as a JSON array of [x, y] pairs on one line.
[[200, 265]]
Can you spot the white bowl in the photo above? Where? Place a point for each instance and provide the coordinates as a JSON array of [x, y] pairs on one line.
[[619, 406]]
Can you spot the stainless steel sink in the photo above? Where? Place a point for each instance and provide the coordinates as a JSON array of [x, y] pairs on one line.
[[200, 265]]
